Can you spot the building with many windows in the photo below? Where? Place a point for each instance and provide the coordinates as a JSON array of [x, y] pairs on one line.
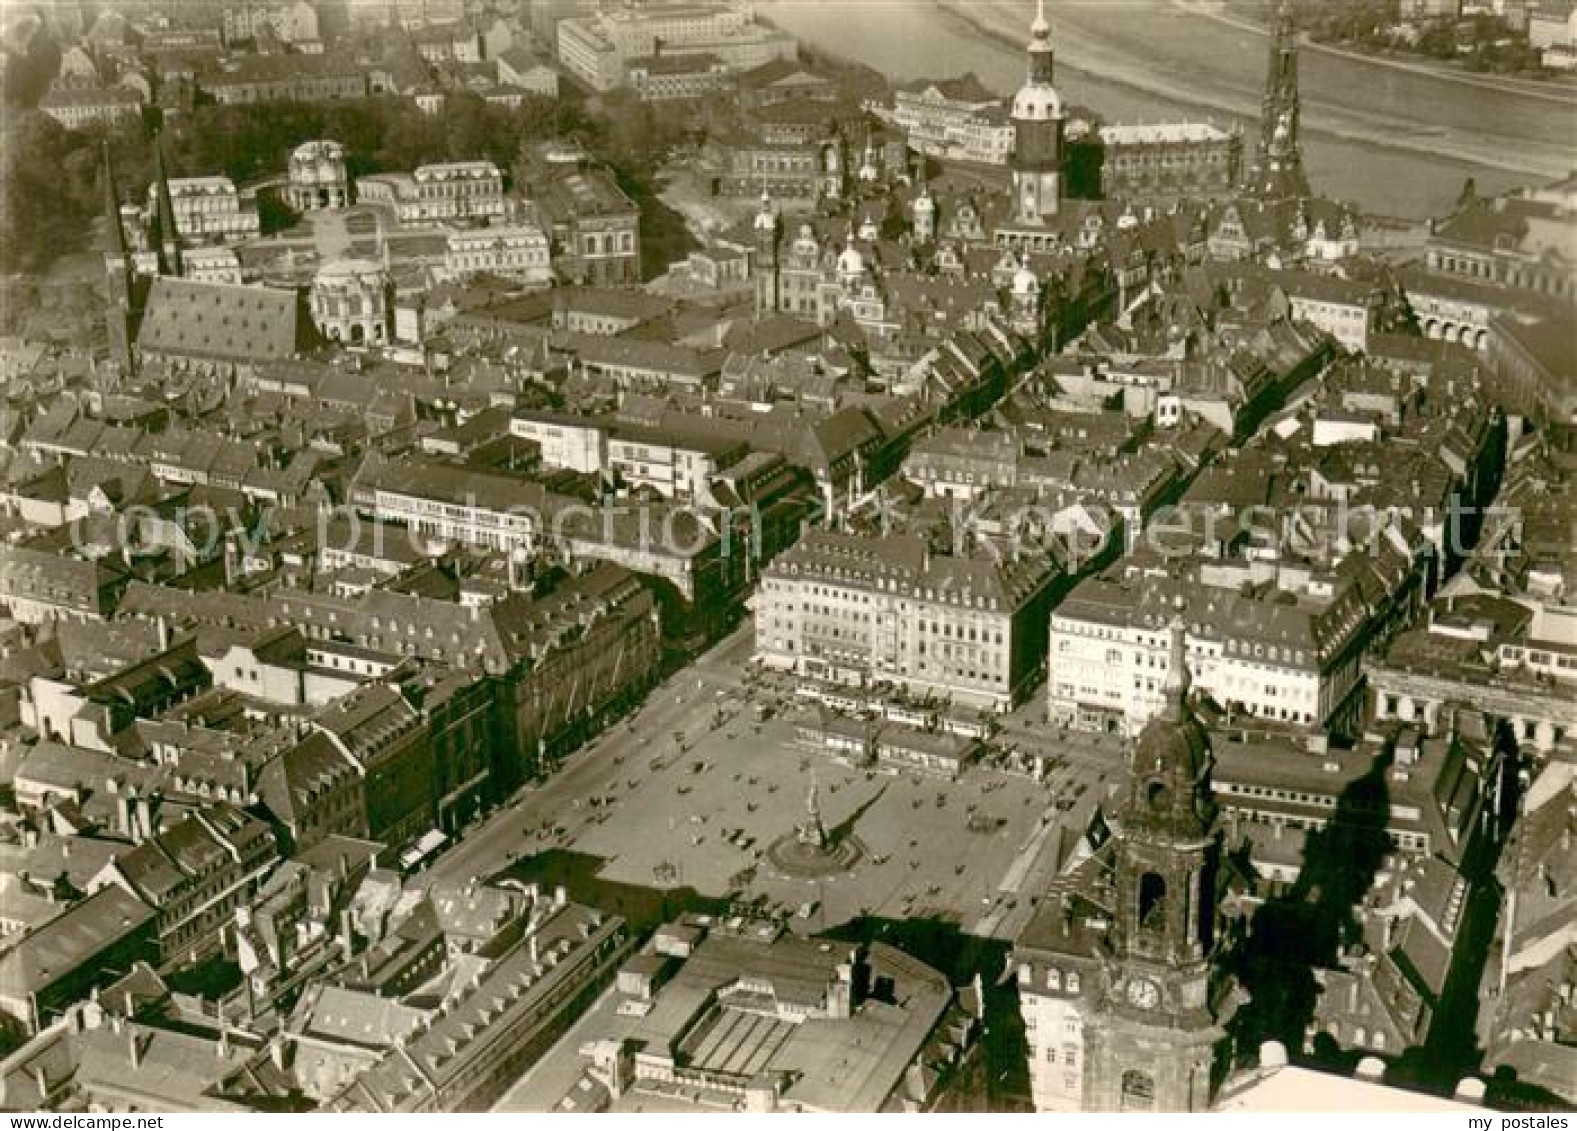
[[210, 208], [76, 107], [956, 120], [1523, 240], [455, 190], [352, 302], [1291, 653], [1161, 162], [600, 48], [596, 227], [513, 251], [857, 610]]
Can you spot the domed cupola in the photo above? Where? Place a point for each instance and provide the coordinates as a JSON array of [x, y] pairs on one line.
[[1025, 282], [766, 217], [1170, 763], [851, 264]]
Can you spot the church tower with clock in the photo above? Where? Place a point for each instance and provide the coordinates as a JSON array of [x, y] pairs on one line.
[[1037, 117], [1155, 1036]]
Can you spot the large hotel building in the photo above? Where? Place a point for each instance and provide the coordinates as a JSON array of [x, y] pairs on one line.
[[855, 610]]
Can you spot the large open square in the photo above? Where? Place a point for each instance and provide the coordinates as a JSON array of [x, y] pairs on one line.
[[689, 793]]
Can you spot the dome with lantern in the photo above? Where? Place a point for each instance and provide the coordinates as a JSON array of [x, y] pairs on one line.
[[766, 218], [1037, 100], [1171, 760], [1024, 280], [850, 261]]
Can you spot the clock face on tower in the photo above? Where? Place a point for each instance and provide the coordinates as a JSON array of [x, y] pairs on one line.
[[1144, 994]]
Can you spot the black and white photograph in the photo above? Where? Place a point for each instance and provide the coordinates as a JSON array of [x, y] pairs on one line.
[[680, 557]]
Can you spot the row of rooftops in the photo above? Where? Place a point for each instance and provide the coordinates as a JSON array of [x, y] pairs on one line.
[[905, 566], [1277, 628]]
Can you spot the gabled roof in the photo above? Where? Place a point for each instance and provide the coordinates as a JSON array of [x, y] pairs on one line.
[[222, 321]]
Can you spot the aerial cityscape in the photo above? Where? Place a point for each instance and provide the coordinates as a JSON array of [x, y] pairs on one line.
[[809, 556]]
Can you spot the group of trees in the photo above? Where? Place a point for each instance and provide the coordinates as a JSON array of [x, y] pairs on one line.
[[51, 180], [1481, 42]]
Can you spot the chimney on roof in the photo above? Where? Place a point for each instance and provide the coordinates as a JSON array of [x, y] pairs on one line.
[[123, 813]]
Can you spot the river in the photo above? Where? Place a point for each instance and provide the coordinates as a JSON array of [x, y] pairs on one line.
[[1395, 140]]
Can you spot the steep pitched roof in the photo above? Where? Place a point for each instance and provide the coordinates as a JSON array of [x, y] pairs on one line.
[[222, 321]]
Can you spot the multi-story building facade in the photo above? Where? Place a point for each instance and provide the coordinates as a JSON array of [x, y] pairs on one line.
[[673, 464], [566, 441], [678, 78], [1526, 241], [957, 120], [1167, 161], [1532, 363], [1290, 656], [352, 302], [194, 875], [456, 190], [598, 49], [513, 251], [857, 610], [318, 177], [1452, 308], [787, 170], [1349, 310], [450, 504], [249, 79], [75, 107], [596, 227]]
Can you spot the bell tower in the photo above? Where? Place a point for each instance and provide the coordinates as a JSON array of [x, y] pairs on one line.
[[1037, 117], [1156, 1035], [769, 237]]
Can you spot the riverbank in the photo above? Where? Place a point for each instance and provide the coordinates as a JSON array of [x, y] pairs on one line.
[[1093, 50], [1379, 148], [1557, 90]]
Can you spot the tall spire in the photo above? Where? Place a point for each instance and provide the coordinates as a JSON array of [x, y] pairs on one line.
[[167, 235], [1278, 164], [1040, 51], [117, 232], [1178, 680]]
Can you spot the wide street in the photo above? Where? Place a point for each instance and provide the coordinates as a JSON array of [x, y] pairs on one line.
[[680, 703]]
